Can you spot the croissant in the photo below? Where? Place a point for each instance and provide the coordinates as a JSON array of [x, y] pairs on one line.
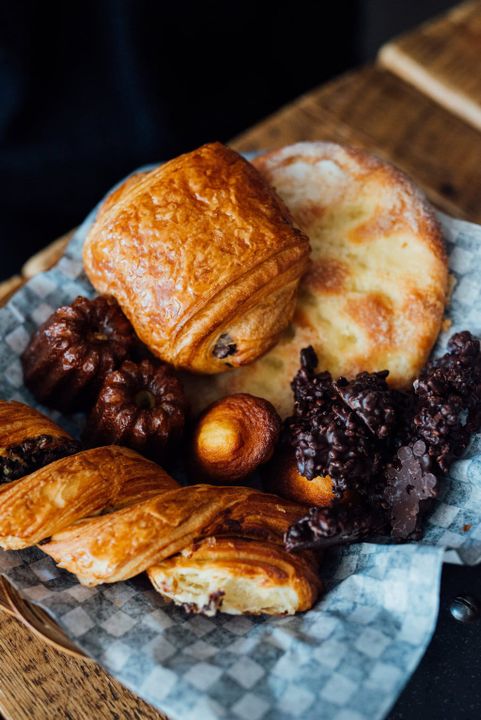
[[237, 576], [203, 258], [233, 437], [34, 507], [29, 440]]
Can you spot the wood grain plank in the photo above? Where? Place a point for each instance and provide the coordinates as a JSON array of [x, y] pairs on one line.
[[442, 58], [374, 109], [39, 682]]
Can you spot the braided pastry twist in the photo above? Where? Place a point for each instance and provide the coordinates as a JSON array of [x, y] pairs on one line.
[[108, 514]]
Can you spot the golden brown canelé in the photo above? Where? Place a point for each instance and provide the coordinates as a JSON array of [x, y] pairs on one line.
[[69, 356], [233, 437], [141, 406], [202, 256]]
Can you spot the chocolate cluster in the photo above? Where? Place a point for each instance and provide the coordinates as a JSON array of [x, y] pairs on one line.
[[386, 446]]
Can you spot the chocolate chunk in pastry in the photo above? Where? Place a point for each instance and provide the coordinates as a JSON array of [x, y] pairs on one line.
[[203, 258], [140, 405], [29, 440], [71, 353], [233, 437]]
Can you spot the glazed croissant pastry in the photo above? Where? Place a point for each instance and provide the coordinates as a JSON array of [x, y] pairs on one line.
[[237, 576], [42, 503], [29, 440], [244, 528], [118, 545], [203, 258]]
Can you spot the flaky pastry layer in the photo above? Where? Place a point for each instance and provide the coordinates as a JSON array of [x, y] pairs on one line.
[[238, 576], [36, 506]]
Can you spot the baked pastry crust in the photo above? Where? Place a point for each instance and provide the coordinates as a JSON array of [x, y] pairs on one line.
[[282, 477], [35, 507], [118, 545], [203, 258], [238, 576], [375, 292], [233, 437], [141, 406], [69, 356], [29, 440]]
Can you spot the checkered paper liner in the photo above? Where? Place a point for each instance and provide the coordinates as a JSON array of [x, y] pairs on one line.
[[346, 659]]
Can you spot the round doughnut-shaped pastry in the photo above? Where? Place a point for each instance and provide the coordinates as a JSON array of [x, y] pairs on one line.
[[69, 356], [234, 436], [202, 256], [141, 406], [283, 478]]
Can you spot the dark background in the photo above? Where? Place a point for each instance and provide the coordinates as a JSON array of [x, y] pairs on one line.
[[90, 90]]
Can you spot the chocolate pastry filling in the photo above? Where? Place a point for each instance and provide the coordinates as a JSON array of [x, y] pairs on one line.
[[32, 454], [224, 347], [214, 603]]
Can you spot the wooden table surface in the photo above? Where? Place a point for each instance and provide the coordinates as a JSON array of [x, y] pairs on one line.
[[419, 107]]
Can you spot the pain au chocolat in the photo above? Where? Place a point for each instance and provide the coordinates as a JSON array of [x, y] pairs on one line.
[[203, 258], [375, 292]]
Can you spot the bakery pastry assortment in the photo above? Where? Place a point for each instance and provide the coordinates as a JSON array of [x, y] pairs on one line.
[[374, 295], [202, 256], [307, 370], [107, 514], [233, 437]]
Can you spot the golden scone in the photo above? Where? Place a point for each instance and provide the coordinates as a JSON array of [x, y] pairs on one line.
[[374, 295], [203, 258]]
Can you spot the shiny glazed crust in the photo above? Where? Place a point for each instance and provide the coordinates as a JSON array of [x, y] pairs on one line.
[[203, 258], [233, 437], [121, 544], [375, 291], [238, 576], [19, 422], [42, 503]]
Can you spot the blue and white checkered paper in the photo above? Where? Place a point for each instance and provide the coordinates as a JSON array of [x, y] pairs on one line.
[[346, 659]]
